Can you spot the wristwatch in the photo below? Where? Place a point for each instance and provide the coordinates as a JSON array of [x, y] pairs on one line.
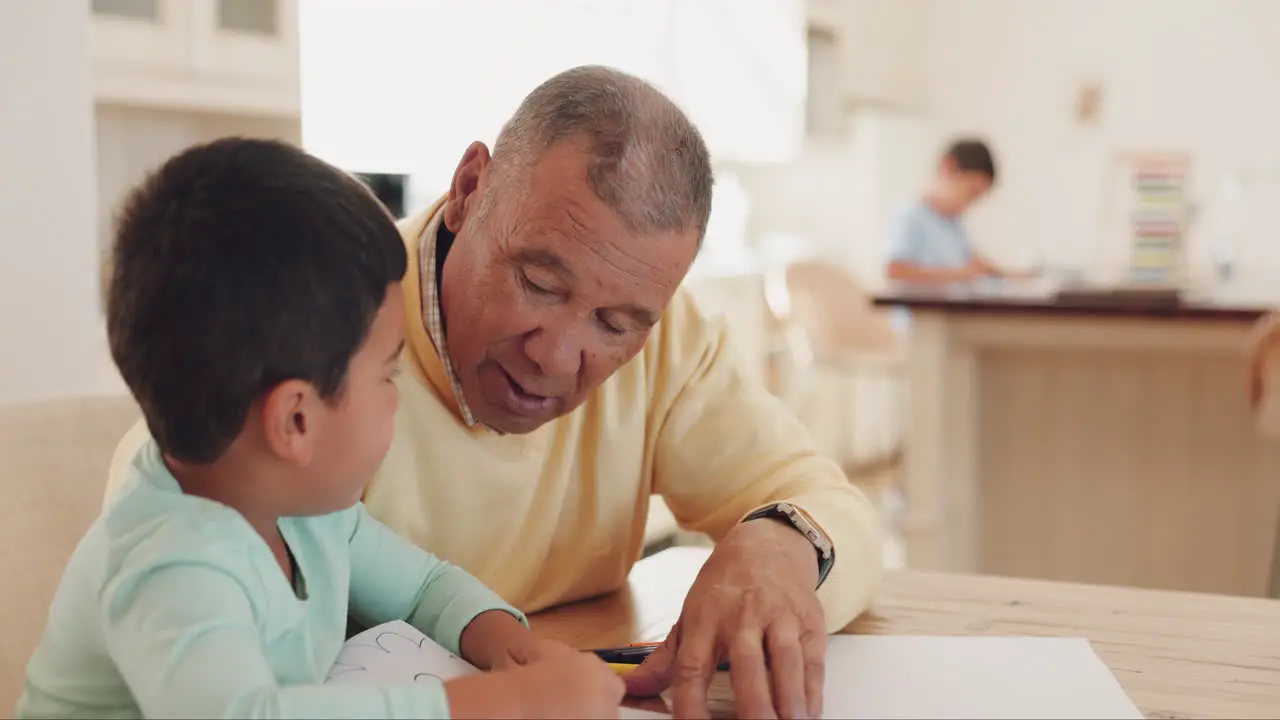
[[790, 514]]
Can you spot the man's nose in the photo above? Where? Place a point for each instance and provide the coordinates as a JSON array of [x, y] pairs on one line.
[[556, 350]]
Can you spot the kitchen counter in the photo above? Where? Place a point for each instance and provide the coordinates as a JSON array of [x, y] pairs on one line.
[[1047, 298], [1088, 439]]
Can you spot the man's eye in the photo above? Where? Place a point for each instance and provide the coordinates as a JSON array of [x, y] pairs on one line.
[[610, 327], [531, 286]]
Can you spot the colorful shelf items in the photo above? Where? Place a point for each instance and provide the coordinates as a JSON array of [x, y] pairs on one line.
[[1158, 205]]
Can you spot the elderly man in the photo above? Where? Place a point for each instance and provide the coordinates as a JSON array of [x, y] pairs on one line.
[[558, 377]]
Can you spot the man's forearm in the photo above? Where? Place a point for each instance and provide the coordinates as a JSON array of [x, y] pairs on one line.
[[852, 522]]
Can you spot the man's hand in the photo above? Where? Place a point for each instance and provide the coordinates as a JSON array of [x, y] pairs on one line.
[[753, 604]]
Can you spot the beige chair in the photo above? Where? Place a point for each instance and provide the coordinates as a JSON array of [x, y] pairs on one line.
[[840, 365], [53, 461]]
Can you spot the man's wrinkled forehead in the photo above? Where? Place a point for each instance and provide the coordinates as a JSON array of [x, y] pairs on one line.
[[550, 205], [560, 231]]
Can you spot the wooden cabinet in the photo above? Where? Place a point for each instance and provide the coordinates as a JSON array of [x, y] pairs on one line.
[[232, 56]]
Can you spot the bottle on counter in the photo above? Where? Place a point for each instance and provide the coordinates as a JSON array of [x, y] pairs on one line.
[[1222, 246]]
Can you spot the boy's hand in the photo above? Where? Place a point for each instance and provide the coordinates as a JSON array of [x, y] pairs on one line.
[[533, 677], [565, 685], [497, 641], [486, 639], [530, 650]]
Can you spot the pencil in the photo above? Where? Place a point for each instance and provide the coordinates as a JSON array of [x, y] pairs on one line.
[[634, 655]]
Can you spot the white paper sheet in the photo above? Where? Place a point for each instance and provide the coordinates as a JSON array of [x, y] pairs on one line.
[[868, 676], [397, 653], [882, 676]]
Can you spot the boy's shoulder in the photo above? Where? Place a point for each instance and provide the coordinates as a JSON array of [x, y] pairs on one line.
[[919, 217], [919, 210], [151, 523], [145, 531], [147, 526], [907, 214]]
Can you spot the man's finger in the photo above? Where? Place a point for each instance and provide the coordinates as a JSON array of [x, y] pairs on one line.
[[748, 674], [693, 667], [654, 674], [787, 669], [813, 647]]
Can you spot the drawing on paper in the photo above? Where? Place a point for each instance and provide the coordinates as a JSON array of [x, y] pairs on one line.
[[389, 642], [395, 652]]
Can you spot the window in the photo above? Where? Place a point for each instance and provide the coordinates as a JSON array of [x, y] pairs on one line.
[[383, 90], [260, 17], [391, 86], [128, 9]]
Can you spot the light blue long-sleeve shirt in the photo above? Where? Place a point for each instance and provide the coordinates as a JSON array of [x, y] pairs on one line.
[[173, 606], [922, 236]]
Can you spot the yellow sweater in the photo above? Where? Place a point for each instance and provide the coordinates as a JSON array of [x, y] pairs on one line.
[[558, 515]]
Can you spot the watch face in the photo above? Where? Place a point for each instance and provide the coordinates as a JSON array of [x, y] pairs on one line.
[[801, 522]]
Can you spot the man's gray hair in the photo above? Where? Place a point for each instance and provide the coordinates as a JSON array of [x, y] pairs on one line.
[[648, 163]]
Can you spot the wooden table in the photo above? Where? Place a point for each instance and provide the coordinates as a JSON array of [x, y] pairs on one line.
[[1177, 654], [1086, 441]]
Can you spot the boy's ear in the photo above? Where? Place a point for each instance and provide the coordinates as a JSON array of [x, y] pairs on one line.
[[290, 414]]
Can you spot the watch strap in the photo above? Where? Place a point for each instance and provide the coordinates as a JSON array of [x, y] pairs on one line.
[[796, 518]]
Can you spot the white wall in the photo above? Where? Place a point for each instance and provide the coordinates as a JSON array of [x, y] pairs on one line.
[[836, 199], [131, 142], [1195, 75], [51, 333], [879, 47]]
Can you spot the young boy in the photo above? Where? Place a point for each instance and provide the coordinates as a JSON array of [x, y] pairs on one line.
[[927, 241], [255, 313]]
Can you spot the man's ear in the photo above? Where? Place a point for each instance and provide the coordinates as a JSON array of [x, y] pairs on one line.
[[290, 416], [468, 180]]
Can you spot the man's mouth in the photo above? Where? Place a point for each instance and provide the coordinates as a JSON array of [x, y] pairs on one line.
[[524, 400]]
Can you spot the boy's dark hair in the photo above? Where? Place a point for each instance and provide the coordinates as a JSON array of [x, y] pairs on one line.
[[972, 155], [237, 265]]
